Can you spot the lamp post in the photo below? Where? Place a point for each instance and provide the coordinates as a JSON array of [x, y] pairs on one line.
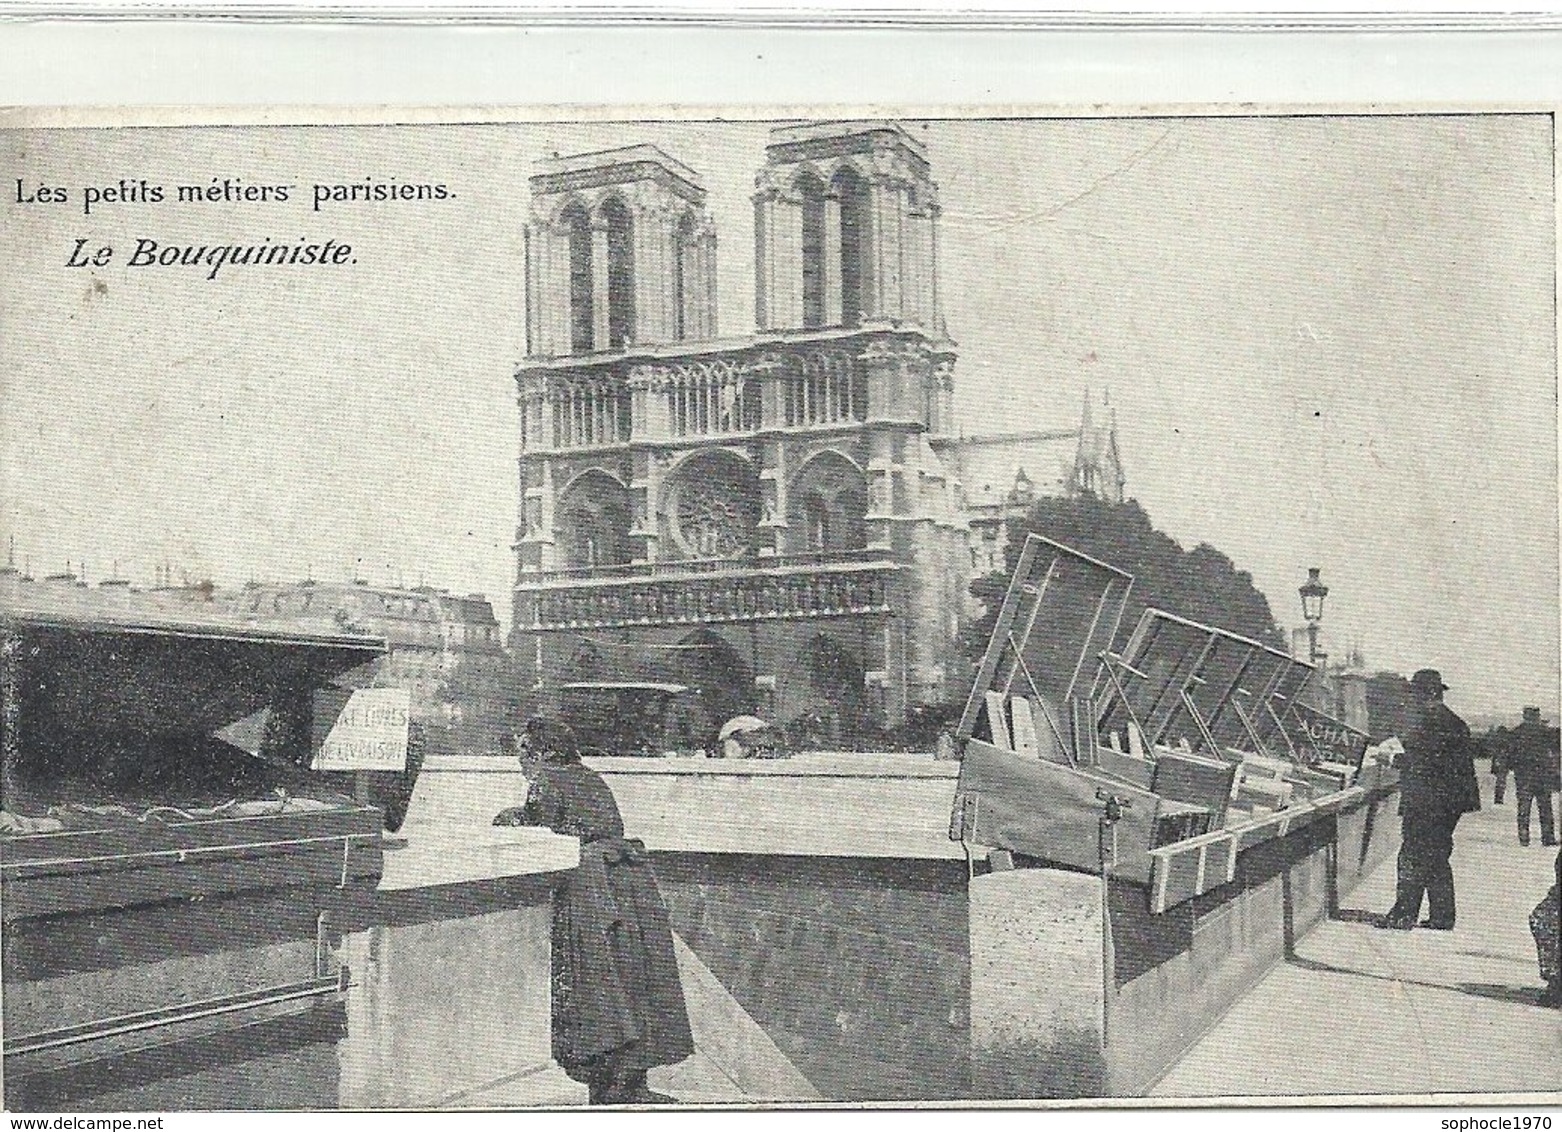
[[1313, 592]]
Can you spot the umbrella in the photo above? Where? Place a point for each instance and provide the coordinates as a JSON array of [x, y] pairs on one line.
[[741, 725]]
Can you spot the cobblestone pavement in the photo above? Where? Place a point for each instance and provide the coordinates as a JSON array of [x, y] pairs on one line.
[[1361, 1010]]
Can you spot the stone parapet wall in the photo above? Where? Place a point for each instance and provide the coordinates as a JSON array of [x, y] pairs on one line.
[[824, 895], [855, 969], [1067, 1002]]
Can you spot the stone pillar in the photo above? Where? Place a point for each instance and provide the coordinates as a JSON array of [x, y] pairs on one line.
[[648, 386], [555, 295], [655, 246], [533, 292], [535, 529], [772, 413], [833, 315], [655, 478], [539, 417], [648, 393], [927, 596], [764, 261], [944, 375], [528, 543], [709, 312], [648, 262], [788, 276], [644, 488], [773, 472], [885, 208], [878, 372], [540, 294], [881, 491], [599, 278], [10, 713], [1037, 983], [895, 675], [919, 305], [872, 273], [935, 311], [896, 374], [544, 535]]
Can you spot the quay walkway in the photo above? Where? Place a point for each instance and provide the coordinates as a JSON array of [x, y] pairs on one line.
[[1358, 1010]]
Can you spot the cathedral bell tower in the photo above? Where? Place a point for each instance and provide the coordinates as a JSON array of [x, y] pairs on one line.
[[620, 252], [846, 229], [779, 503]]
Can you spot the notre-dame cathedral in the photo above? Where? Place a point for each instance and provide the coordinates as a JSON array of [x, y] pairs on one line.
[[776, 518]]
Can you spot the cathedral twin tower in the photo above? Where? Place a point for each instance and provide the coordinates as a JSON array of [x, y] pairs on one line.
[[770, 518], [621, 252]]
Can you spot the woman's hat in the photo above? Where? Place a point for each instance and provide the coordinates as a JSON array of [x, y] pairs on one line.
[[550, 738]]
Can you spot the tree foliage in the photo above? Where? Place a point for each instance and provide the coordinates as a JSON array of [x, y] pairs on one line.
[[1201, 584]]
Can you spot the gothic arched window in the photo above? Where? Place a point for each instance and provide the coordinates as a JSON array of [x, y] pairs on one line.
[[829, 507], [581, 336], [594, 523], [853, 193], [620, 274], [814, 237]]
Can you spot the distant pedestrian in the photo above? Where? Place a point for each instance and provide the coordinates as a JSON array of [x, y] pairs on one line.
[[1544, 922], [618, 1006], [1536, 774], [1501, 743], [1437, 786]]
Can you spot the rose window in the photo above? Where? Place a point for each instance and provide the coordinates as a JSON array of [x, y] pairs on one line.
[[711, 524], [715, 509]]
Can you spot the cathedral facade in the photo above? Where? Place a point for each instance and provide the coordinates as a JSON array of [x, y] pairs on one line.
[[774, 518]]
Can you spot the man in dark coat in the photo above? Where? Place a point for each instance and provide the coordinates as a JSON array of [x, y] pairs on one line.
[[1437, 786], [618, 1007], [1536, 774]]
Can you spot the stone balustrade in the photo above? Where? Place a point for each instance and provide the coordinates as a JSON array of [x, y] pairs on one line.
[[705, 592], [781, 383]]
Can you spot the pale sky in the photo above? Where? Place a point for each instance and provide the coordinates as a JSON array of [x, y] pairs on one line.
[[1330, 342]]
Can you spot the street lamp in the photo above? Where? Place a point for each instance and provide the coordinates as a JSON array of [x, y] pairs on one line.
[[1313, 592]]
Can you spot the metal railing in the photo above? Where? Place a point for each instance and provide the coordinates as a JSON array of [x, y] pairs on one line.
[[173, 1015]]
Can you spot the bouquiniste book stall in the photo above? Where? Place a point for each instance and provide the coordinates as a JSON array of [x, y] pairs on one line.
[[169, 860], [1159, 763]]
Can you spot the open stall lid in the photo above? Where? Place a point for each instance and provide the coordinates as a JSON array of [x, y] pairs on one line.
[[1179, 681], [186, 673], [121, 779], [1060, 613]]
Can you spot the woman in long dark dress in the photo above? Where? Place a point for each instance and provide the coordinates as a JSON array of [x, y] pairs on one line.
[[618, 1007], [1546, 923]]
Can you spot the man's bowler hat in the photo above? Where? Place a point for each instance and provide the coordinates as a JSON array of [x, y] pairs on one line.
[[1428, 680]]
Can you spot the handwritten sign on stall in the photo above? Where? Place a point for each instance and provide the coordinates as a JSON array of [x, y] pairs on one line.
[[1333, 741], [361, 730]]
